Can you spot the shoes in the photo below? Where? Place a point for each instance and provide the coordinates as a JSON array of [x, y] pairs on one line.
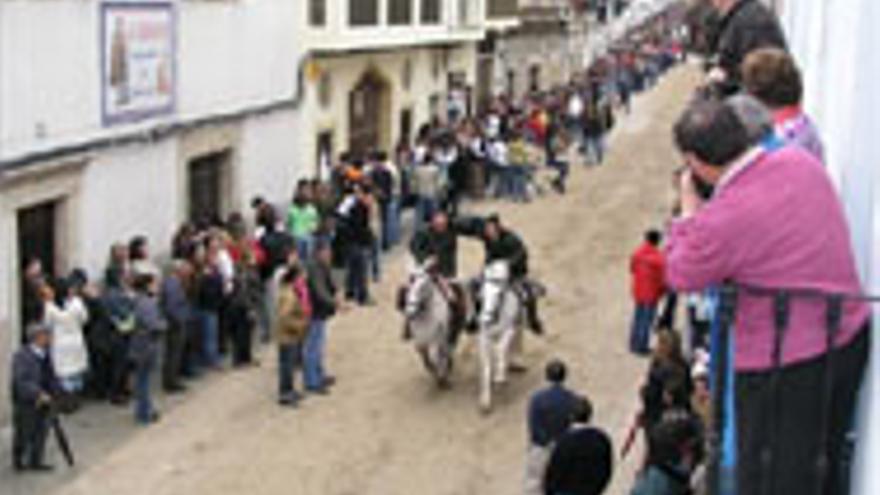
[[329, 381], [537, 328], [517, 368], [41, 467], [322, 390], [290, 400], [175, 388], [18, 466]]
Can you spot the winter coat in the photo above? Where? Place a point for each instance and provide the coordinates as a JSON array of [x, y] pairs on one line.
[[647, 267], [292, 318], [750, 25], [150, 324], [68, 351]]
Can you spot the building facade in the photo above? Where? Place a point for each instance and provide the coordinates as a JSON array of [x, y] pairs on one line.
[[131, 118], [835, 43], [378, 69]]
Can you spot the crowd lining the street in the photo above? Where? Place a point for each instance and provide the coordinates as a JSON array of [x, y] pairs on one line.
[[231, 281]]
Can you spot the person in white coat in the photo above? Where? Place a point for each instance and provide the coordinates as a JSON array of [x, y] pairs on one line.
[[65, 314]]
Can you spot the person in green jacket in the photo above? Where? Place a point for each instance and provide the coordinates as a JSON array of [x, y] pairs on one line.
[[303, 219]]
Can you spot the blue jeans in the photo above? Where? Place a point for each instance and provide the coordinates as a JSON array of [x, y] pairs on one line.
[[313, 355], [289, 356], [376, 260], [425, 208], [143, 404], [519, 179], [391, 226], [356, 274], [304, 247], [595, 146], [210, 326], [640, 333]]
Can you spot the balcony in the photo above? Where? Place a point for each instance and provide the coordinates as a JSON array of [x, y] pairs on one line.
[[502, 14], [363, 25]]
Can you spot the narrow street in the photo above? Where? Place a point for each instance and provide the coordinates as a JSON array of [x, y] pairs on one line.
[[385, 429]]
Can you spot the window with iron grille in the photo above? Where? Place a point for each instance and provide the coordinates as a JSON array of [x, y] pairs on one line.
[[431, 11], [317, 13], [363, 12], [400, 12]]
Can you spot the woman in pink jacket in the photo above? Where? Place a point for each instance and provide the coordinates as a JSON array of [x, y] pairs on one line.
[[774, 221]]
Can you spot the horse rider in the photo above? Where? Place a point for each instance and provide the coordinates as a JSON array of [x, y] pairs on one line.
[[438, 240], [502, 244], [435, 248]]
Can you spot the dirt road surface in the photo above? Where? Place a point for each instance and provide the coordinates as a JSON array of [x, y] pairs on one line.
[[386, 430]]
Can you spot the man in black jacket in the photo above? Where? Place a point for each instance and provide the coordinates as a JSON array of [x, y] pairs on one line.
[[322, 291], [439, 241], [504, 245], [34, 386], [746, 25]]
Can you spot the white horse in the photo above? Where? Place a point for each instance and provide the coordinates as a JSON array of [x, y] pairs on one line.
[[428, 315], [501, 318]]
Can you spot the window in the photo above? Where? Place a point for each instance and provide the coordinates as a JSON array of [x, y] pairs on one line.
[[502, 8], [363, 12], [317, 13], [431, 11], [400, 12]]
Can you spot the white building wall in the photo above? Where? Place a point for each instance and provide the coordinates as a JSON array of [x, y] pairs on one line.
[[126, 192], [231, 55], [273, 157], [835, 41]]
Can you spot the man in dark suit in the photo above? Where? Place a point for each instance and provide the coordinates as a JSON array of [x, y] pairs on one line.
[[33, 386]]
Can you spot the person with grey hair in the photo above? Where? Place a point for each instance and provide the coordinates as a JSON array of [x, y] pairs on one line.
[[755, 117], [34, 386]]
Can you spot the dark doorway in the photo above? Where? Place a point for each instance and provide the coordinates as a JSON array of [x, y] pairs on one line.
[[37, 239], [323, 154], [36, 235], [485, 79], [406, 126], [366, 113], [535, 78], [206, 180]]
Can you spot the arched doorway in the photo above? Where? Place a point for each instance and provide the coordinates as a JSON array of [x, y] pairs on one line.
[[369, 113]]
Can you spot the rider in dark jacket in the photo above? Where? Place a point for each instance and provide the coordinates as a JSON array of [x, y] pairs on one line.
[[503, 244]]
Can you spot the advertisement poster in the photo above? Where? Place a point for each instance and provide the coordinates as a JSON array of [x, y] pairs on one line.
[[138, 60]]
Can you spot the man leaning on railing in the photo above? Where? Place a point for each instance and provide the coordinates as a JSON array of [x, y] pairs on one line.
[[765, 214]]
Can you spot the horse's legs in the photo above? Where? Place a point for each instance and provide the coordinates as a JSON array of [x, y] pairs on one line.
[[425, 354], [502, 349], [485, 343]]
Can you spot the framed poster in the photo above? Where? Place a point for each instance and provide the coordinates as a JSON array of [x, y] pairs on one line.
[[138, 60]]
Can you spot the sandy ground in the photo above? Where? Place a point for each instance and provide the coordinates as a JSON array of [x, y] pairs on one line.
[[386, 430]]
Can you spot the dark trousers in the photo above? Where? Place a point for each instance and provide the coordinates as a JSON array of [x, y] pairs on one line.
[[289, 359], [192, 350], [356, 274], [121, 368], [101, 372], [241, 326], [31, 427], [797, 422], [175, 344]]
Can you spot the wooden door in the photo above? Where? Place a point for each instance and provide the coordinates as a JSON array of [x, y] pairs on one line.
[[365, 115]]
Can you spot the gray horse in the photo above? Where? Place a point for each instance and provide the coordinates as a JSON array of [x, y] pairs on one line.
[[430, 311]]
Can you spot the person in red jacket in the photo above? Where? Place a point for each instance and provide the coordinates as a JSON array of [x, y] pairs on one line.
[[647, 270]]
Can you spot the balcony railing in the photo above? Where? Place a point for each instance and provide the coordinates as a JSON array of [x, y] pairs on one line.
[[496, 9]]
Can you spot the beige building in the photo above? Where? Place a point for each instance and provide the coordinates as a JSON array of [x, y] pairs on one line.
[[378, 69]]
